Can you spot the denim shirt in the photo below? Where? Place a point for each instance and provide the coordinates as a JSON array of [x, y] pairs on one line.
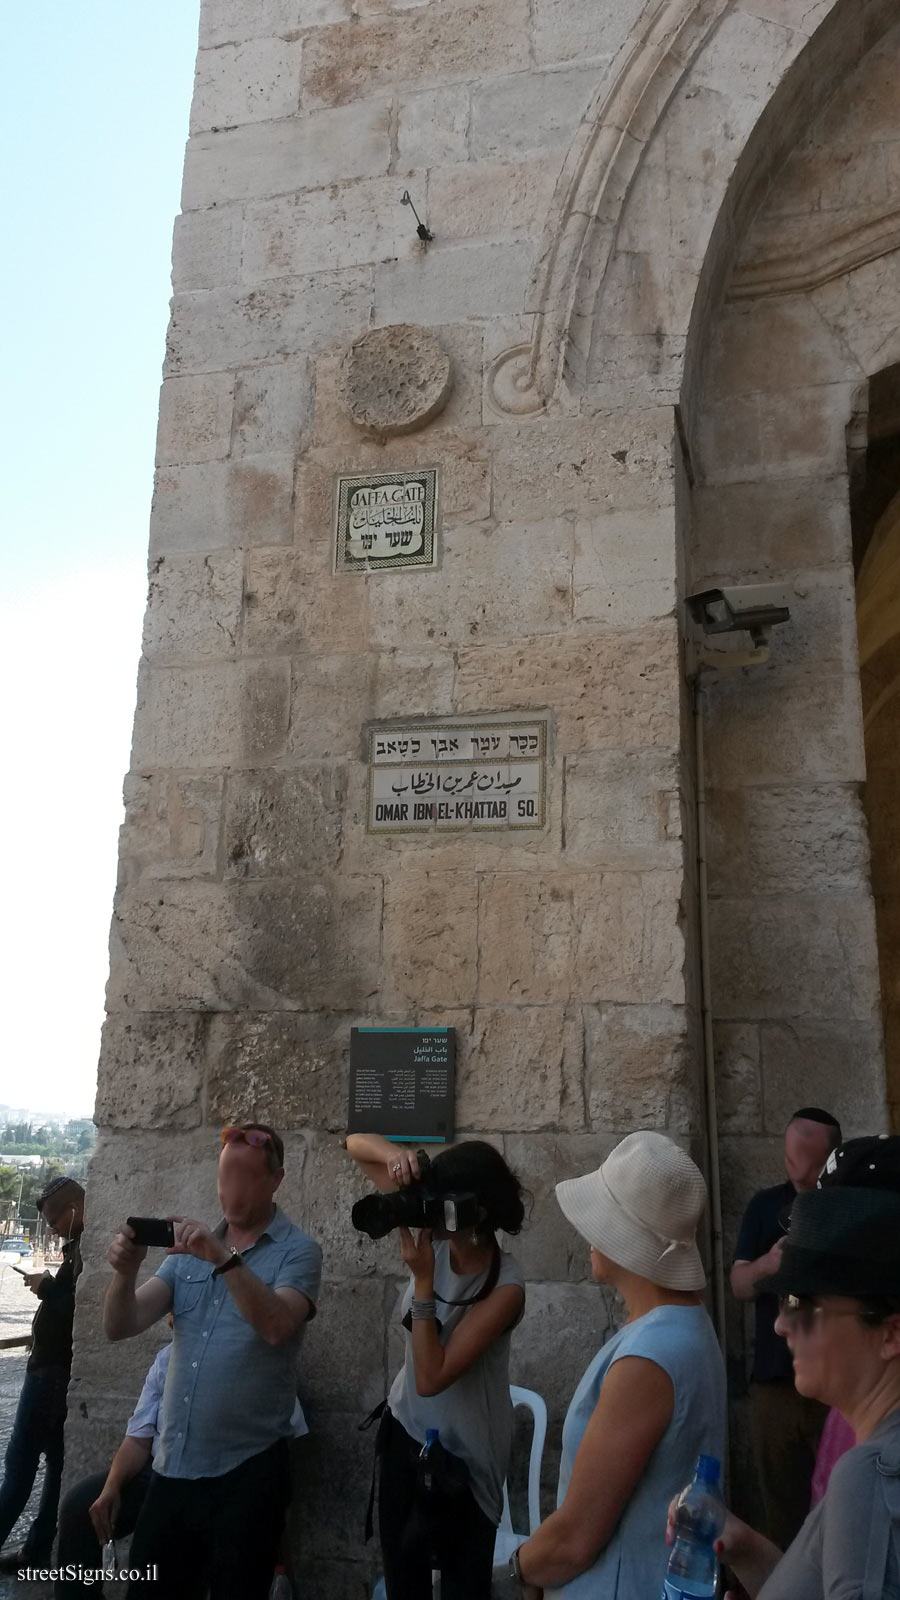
[[229, 1394]]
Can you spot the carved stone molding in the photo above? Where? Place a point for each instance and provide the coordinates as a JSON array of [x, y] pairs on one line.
[[799, 270], [583, 220], [395, 380]]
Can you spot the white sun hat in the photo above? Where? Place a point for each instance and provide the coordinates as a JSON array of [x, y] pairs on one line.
[[642, 1208]]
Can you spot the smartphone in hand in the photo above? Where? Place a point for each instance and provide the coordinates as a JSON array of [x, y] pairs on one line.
[[154, 1231]]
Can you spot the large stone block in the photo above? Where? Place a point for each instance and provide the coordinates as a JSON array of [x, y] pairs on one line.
[[803, 957], [507, 582], [624, 571], [828, 1064], [433, 126], [576, 30], [615, 461], [790, 839], [521, 1068], [257, 80], [232, 21], [773, 730], [268, 158], [195, 419], [206, 248], [750, 343], [746, 1164], [300, 945], [273, 409], [286, 1068], [229, 327], [430, 938], [215, 504], [770, 529], [194, 607], [171, 827], [436, 44], [295, 604], [491, 200], [283, 824], [530, 111], [152, 1071], [585, 937], [236, 712], [453, 283], [331, 1494], [331, 1185], [623, 809], [738, 1077], [321, 230], [636, 1057], [616, 691]]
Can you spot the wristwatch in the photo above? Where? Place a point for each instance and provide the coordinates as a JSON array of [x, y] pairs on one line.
[[234, 1260], [515, 1570]]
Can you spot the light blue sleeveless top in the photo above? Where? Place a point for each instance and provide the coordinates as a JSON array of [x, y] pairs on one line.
[[681, 1340]]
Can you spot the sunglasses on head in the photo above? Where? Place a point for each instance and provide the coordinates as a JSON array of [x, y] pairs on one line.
[[252, 1136], [804, 1310]]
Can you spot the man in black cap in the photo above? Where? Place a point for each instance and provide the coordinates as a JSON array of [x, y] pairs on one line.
[[786, 1427], [41, 1412]]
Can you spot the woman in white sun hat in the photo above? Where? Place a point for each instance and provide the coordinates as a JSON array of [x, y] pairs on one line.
[[653, 1398]]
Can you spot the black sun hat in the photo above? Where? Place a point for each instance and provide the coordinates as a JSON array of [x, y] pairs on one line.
[[844, 1236]]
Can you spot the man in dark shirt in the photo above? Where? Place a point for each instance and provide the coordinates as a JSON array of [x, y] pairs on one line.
[[41, 1412], [786, 1426]]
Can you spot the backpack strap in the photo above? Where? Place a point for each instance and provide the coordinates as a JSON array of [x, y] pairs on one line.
[[884, 1530]]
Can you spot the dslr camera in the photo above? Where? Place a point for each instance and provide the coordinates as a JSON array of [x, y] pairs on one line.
[[419, 1205]]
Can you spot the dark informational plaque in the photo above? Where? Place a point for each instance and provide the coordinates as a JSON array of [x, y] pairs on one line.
[[401, 1083]]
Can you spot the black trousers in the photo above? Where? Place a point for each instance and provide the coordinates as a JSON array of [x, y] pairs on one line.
[[78, 1543], [463, 1549], [221, 1532]]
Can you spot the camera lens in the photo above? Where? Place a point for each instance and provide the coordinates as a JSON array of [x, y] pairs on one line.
[[377, 1214]]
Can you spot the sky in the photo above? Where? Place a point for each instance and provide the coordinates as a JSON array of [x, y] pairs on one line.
[[93, 123]]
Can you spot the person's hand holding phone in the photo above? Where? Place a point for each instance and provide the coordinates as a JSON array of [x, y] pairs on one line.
[[196, 1239], [125, 1254]]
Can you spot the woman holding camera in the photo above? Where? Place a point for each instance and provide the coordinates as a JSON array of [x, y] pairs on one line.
[[464, 1298]]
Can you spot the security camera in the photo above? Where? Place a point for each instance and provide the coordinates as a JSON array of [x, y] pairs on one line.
[[754, 607]]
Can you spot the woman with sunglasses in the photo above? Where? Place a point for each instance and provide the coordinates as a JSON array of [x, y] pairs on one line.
[[839, 1293], [463, 1300]]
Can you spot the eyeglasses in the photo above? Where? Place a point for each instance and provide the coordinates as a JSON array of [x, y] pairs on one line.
[[804, 1309], [252, 1136]]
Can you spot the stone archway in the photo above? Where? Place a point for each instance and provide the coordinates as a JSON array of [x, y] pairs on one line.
[[877, 544]]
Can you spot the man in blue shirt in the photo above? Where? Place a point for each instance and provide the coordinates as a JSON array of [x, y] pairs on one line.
[[241, 1293]]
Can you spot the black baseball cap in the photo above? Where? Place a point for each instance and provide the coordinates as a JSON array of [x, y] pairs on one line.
[[844, 1236]]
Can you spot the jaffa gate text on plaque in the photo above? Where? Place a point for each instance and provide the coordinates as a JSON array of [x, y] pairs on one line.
[[445, 775], [386, 520], [402, 1083]]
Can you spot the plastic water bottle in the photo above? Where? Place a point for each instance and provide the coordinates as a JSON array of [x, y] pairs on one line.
[[431, 1437], [282, 1588], [693, 1570]]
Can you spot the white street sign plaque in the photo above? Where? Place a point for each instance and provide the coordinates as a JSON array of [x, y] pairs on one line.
[[443, 775], [385, 520]]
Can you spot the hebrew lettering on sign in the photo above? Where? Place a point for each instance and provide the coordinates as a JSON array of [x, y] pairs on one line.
[[441, 776]]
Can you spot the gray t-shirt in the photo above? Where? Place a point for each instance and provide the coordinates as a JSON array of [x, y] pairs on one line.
[[474, 1415], [828, 1560]]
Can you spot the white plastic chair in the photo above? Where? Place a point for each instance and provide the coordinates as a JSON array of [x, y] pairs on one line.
[[507, 1539]]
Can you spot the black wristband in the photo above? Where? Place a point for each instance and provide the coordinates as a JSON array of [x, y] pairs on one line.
[[234, 1260]]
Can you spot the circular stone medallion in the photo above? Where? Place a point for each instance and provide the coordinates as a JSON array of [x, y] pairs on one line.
[[394, 380]]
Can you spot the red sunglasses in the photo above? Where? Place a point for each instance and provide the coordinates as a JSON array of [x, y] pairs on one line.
[[252, 1136]]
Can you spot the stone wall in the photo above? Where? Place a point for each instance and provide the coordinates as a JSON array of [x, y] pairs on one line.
[[574, 163]]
